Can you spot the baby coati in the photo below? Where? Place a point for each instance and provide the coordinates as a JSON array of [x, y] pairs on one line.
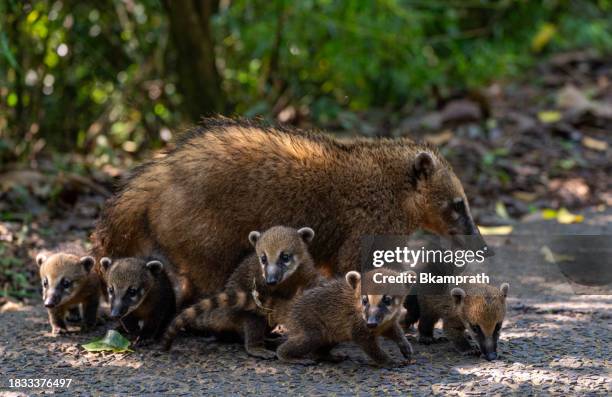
[[259, 293], [338, 312], [68, 283], [141, 296], [478, 308]]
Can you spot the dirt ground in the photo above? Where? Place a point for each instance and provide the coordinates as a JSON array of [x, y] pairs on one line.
[[550, 344]]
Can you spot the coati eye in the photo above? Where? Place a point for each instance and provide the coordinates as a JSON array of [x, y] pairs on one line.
[[45, 283], [458, 206], [111, 290], [132, 291], [66, 283], [475, 328], [387, 300], [364, 300], [264, 259], [285, 257]]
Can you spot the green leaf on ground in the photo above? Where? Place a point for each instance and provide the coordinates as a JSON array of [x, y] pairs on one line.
[[113, 341]]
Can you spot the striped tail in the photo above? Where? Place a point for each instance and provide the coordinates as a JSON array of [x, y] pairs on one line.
[[188, 318]]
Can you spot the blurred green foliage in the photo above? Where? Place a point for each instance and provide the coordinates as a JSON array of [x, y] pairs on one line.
[[94, 77]]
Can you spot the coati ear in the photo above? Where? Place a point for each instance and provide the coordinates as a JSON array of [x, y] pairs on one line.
[[40, 259], [154, 266], [307, 234], [458, 295], [254, 236], [106, 263], [353, 279], [87, 262], [504, 289], [424, 165]]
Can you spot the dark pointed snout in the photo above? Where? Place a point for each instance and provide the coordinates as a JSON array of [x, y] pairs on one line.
[[52, 301], [273, 274], [372, 322], [116, 311], [491, 356]]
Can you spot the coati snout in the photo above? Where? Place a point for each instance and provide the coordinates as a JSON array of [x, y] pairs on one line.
[[128, 283], [62, 277], [279, 253], [482, 317]]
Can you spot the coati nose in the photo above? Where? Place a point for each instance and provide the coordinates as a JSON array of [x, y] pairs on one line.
[[115, 313], [372, 323], [491, 356], [49, 304], [271, 281]]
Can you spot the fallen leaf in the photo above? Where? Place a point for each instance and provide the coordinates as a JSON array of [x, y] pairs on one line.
[[565, 217], [571, 98], [562, 216], [113, 341], [551, 257], [543, 36], [439, 139], [525, 196], [594, 144], [549, 116], [495, 230], [501, 211]]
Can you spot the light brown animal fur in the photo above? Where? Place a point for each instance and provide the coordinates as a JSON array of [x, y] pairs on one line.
[[67, 283], [479, 309], [141, 296], [337, 312], [279, 270], [228, 177]]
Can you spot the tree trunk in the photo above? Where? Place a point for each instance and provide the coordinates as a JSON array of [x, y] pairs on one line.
[[199, 79]]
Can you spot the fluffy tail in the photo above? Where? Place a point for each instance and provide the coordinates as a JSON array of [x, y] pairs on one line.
[[189, 317]]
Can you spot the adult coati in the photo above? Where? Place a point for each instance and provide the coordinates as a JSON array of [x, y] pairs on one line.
[[338, 312], [67, 283], [141, 296], [227, 177], [260, 292]]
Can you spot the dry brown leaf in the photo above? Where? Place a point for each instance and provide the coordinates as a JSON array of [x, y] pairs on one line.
[[439, 139], [594, 144]]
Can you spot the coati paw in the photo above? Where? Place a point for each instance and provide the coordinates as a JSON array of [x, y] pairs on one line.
[[300, 361], [261, 352], [472, 352], [426, 340], [333, 358], [406, 351], [58, 331]]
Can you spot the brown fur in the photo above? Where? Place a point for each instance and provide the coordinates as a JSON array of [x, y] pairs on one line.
[[69, 283], [139, 291], [236, 310], [337, 312], [228, 177], [464, 308]]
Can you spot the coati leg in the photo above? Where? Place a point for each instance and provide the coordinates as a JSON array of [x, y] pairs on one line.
[[254, 337], [90, 312], [56, 319], [74, 315], [370, 346], [426, 327], [324, 354], [455, 331], [397, 335], [297, 347], [129, 324], [411, 304]]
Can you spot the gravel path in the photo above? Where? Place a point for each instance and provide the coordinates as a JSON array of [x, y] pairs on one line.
[[552, 344]]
